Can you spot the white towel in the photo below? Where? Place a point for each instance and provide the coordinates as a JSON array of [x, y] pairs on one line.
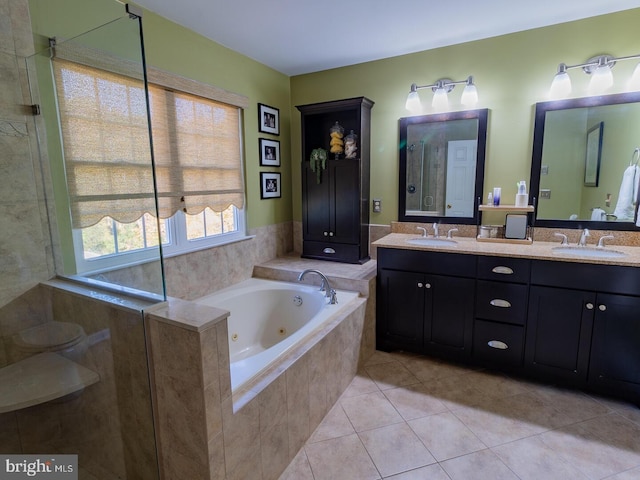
[[628, 193], [598, 214]]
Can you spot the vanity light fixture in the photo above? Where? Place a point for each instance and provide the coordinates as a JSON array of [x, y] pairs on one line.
[[441, 91], [599, 68]]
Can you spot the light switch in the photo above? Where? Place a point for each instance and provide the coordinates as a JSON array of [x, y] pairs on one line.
[[545, 193]]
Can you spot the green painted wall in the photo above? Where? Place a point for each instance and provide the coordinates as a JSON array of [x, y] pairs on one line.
[[176, 49], [512, 72]]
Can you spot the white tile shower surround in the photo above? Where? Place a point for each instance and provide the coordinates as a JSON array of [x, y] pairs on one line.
[[409, 417]]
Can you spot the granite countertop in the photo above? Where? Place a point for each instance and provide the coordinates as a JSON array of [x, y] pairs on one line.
[[536, 250]]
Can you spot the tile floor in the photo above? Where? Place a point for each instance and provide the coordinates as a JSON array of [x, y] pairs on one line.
[[408, 417]]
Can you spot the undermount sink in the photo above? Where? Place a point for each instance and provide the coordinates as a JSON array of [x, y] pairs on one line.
[[432, 242], [588, 252]]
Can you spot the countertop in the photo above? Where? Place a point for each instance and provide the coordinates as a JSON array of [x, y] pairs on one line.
[[536, 250]]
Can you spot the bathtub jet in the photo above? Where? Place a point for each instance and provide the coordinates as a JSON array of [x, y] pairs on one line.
[[330, 293]]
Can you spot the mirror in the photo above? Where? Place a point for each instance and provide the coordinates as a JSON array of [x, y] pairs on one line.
[[442, 166], [581, 151]]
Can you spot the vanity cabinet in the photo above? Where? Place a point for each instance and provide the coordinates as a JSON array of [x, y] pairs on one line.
[[501, 311], [335, 203], [425, 302], [589, 334]]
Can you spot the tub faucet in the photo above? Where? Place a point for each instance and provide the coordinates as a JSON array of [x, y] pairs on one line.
[[330, 293], [583, 238]]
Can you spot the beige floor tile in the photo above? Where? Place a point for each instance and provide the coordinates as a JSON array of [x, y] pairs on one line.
[[395, 449], [615, 430], [298, 469], [371, 410], [360, 385], [379, 357], [633, 474], [414, 401], [455, 393], [431, 472], [445, 436], [531, 459], [427, 368], [588, 453], [334, 425], [391, 375], [494, 384], [482, 465], [628, 410], [343, 458], [573, 405]]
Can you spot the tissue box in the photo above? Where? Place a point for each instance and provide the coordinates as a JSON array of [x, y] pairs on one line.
[[515, 226]]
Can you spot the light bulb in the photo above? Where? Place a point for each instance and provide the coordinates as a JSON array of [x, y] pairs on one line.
[[440, 100], [413, 102], [561, 86], [601, 79], [469, 95], [634, 81]]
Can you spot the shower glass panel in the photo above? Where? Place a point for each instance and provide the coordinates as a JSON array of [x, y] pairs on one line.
[[74, 375], [95, 145]]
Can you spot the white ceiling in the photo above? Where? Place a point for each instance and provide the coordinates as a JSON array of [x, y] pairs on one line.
[[304, 36]]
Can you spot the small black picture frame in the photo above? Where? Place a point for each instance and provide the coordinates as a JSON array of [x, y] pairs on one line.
[[270, 185], [269, 152], [268, 119]]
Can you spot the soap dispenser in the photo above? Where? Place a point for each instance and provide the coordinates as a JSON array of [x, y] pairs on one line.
[[521, 197]]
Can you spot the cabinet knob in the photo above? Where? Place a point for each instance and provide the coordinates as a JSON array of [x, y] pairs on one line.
[[427, 285], [331, 234], [589, 306], [602, 308], [326, 234], [420, 285]]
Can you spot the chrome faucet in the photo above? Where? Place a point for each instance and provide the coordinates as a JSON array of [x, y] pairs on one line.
[[436, 233], [564, 238], [583, 238], [424, 231], [325, 287], [603, 238], [450, 232]]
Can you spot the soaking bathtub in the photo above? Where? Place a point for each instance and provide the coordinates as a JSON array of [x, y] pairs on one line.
[[267, 318]]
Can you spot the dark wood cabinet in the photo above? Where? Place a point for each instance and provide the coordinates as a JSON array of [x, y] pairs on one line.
[[559, 329], [420, 309], [335, 204], [615, 347]]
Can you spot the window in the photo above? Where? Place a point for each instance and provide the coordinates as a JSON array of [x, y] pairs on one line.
[[197, 154]]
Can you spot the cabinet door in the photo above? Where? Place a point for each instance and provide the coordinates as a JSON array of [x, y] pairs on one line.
[[315, 205], [615, 347], [400, 309], [559, 326], [345, 200], [449, 315]]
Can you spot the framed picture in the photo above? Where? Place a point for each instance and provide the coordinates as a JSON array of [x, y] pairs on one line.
[[269, 152], [268, 119], [269, 185], [594, 153]]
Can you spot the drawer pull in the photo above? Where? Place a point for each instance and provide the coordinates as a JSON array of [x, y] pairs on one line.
[[328, 250], [502, 270], [497, 344], [498, 302]]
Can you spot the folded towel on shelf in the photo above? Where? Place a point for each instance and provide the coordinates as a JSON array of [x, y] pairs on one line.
[[625, 207], [598, 215]]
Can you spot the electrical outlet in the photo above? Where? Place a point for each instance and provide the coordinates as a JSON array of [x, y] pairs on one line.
[[544, 170], [376, 205], [545, 193]]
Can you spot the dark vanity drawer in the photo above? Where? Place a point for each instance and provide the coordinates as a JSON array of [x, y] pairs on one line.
[[331, 251], [502, 302], [504, 269], [488, 337], [438, 263]]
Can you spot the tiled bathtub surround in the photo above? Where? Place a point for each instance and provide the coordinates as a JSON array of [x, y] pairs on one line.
[[204, 431]]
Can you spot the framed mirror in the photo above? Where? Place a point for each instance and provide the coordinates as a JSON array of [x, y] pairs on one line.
[[585, 151], [442, 166]]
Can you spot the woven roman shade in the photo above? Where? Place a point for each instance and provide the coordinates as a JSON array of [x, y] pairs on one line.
[[197, 148]]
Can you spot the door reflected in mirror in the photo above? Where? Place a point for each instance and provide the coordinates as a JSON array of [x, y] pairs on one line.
[[442, 166], [582, 169]]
